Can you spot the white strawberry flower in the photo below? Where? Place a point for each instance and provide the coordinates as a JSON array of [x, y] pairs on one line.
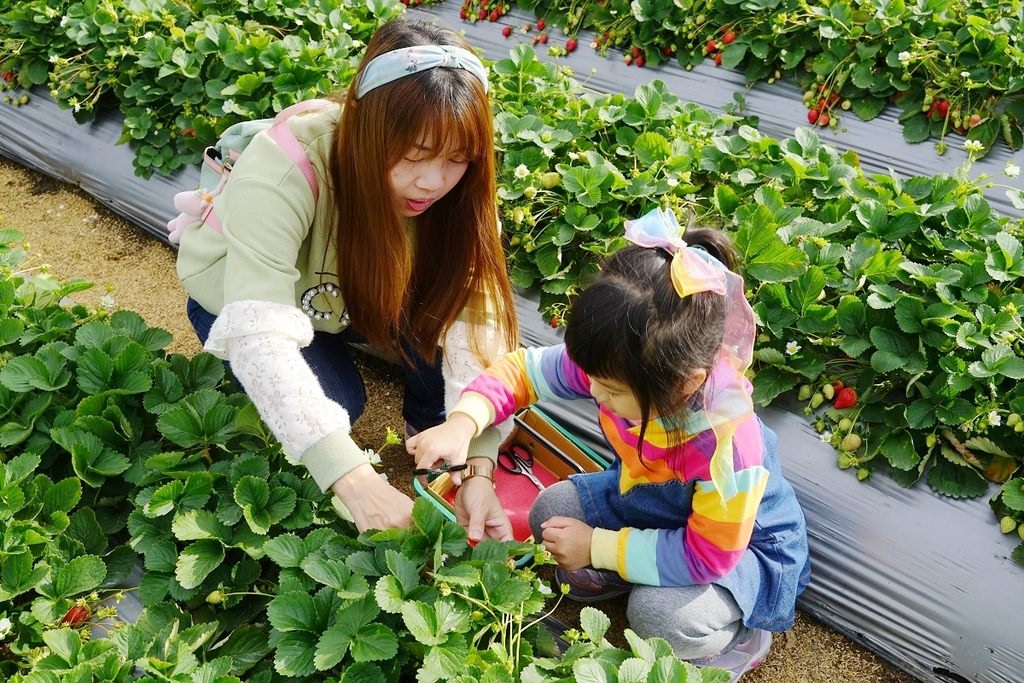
[[994, 418], [107, 302], [792, 347], [974, 146], [1012, 170], [522, 171], [904, 57], [826, 436], [5, 627]]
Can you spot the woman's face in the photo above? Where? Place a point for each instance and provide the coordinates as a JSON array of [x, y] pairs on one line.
[[421, 177]]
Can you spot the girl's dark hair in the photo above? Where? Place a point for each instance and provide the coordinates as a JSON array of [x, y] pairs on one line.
[[630, 325]]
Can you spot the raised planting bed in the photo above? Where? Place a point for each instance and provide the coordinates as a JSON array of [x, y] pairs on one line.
[[925, 581]]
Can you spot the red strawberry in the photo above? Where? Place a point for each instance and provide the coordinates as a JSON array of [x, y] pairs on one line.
[[463, 14], [711, 46], [543, 39], [635, 52], [555, 321], [975, 120], [7, 76], [76, 615], [667, 51], [838, 385], [570, 45], [728, 37], [812, 116], [482, 14], [494, 15], [718, 58], [628, 59], [639, 61], [188, 132], [507, 31], [541, 24], [845, 398], [943, 108], [823, 119]]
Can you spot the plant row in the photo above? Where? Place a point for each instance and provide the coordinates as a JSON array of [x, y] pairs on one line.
[[949, 66], [117, 454], [905, 291], [896, 300]]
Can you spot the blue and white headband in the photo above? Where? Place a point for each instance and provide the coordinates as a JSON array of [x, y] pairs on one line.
[[407, 61]]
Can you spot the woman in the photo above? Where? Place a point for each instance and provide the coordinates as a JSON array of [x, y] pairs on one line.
[[400, 251]]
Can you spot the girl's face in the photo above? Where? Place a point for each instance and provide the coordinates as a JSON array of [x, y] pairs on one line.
[[616, 397], [421, 177]]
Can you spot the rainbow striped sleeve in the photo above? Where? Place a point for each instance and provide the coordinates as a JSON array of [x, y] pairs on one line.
[[716, 535], [521, 378]]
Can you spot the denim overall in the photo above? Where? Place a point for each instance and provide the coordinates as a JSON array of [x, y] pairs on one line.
[[772, 572]]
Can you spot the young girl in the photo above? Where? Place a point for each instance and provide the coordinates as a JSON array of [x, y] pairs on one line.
[[405, 165], [694, 519]]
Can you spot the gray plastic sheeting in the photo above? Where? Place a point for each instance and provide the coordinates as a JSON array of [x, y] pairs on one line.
[[924, 581]]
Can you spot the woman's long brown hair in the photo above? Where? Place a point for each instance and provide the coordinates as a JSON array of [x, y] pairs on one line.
[[411, 286]]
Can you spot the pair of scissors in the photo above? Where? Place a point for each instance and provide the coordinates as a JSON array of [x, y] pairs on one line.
[[518, 459]]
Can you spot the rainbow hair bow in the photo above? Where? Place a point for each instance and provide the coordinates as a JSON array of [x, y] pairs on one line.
[[727, 392]]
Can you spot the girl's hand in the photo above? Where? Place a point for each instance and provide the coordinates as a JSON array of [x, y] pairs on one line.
[[373, 502], [478, 509], [447, 442], [568, 541]]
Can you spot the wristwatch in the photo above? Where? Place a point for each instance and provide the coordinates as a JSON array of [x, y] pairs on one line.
[[479, 467]]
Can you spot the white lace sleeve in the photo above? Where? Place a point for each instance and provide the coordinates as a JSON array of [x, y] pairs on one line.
[[261, 341], [461, 366]]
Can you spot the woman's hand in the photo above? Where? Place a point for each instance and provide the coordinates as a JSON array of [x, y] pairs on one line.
[[478, 509], [568, 541], [373, 502], [448, 441]]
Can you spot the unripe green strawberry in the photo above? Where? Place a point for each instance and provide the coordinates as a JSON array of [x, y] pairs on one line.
[[847, 460], [805, 392], [1012, 420], [850, 442], [1007, 524], [1019, 427], [1020, 531], [550, 179], [817, 399], [215, 597], [828, 391], [931, 440], [819, 426], [846, 424], [530, 192], [863, 473]]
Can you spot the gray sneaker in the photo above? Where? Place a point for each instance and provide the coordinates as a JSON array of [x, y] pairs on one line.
[[743, 656]]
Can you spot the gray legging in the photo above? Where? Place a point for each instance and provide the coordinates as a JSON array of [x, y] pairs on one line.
[[698, 621]]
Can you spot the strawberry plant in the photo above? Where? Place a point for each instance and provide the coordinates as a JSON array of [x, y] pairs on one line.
[[866, 54], [117, 455], [181, 72]]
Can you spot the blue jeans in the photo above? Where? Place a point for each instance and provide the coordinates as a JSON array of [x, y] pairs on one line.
[[328, 356]]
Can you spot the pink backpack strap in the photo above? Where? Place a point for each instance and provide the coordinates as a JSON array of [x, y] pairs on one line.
[[282, 134]]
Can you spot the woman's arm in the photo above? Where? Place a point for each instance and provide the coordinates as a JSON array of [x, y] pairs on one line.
[[261, 341]]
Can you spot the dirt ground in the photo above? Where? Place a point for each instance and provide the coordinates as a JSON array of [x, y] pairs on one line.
[[78, 238]]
